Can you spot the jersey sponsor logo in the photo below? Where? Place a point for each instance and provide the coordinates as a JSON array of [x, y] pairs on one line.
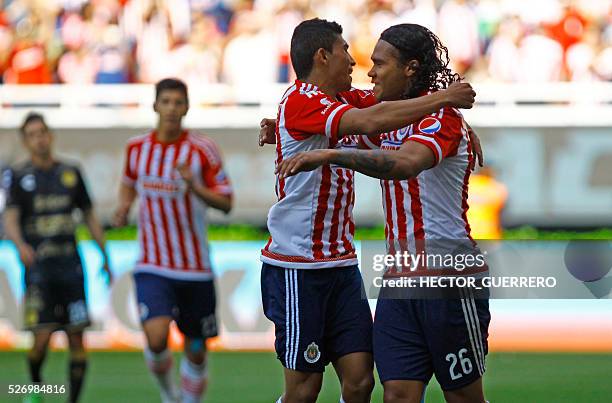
[[28, 183], [69, 178], [312, 353], [402, 133], [160, 187], [430, 125]]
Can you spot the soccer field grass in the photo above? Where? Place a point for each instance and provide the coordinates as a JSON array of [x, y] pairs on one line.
[[256, 377]]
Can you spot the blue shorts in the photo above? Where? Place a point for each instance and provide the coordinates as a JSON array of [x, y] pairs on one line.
[[319, 315], [190, 303], [416, 338]]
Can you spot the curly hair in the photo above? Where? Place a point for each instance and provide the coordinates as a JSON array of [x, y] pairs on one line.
[[415, 42]]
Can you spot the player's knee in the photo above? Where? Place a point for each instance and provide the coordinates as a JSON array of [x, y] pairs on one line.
[[37, 352], [358, 387], [396, 394], [195, 349], [157, 344], [304, 392]]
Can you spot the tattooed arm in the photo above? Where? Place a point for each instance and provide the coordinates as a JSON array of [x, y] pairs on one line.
[[405, 163]]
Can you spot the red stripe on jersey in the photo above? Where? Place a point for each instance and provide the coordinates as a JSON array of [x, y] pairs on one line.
[[350, 219], [347, 217], [417, 217], [464, 193], [268, 244], [189, 209], [317, 237], [389, 212], [160, 202], [401, 210], [335, 223], [280, 184], [153, 232], [301, 259], [416, 208], [194, 238], [177, 219], [143, 234], [149, 204]]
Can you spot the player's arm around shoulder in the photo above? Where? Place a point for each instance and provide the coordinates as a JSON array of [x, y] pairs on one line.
[[392, 115]]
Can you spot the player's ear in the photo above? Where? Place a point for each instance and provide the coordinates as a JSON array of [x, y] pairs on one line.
[[155, 106], [320, 56], [411, 67]]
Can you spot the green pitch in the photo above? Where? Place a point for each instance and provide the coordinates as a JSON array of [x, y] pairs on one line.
[[257, 377]]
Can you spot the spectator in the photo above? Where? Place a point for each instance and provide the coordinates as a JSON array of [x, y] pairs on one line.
[[458, 29], [198, 60], [252, 43], [144, 40]]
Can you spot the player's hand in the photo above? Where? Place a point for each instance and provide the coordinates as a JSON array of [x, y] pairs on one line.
[[476, 147], [185, 171], [27, 255], [120, 218], [460, 95], [267, 131], [301, 162]]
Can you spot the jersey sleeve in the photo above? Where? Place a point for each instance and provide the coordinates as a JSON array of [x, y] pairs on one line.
[[314, 113], [82, 199], [441, 132], [358, 98], [130, 174], [11, 186], [213, 174]]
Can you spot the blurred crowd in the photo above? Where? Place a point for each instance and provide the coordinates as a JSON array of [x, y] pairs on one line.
[[242, 41]]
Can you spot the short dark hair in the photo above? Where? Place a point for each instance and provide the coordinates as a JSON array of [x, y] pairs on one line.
[[171, 84], [413, 41], [32, 117], [308, 37]]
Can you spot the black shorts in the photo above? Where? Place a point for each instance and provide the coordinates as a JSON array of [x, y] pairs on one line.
[[55, 297], [415, 339], [190, 303], [319, 315]]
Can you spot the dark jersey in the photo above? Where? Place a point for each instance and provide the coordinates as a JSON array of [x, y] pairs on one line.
[[47, 200]]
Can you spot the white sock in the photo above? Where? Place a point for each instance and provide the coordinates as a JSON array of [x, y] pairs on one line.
[[160, 366], [193, 381], [342, 400], [280, 400]]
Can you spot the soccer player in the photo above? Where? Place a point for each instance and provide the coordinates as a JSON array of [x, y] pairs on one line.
[[311, 286], [176, 175], [42, 195], [424, 170]]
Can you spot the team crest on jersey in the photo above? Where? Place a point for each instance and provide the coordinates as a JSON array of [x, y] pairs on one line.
[[28, 183], [69, 178], [312, 353], [430, 125]]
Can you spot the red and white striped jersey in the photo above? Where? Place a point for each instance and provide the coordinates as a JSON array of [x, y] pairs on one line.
[[311, 225], [430, 209], [172, 223]]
